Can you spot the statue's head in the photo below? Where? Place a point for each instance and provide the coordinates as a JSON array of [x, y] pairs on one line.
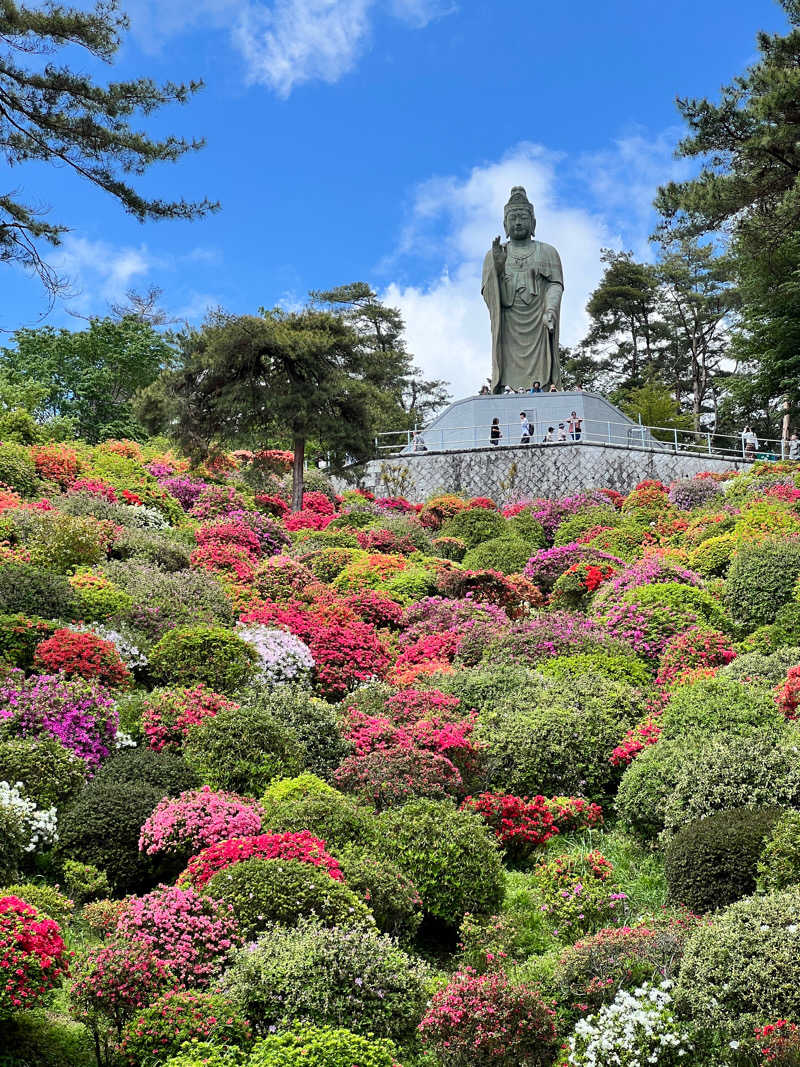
[[519, 220]]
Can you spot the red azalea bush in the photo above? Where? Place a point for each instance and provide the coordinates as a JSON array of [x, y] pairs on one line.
[[188, 823], [487, 587], [231, 561], [179, 1016], [387, 777], [375, 609], [230, 533], [645, 733], [301, 846], [273, 460], [787, 694], [33, 958], [318, 502], [272, 504], [779, 1043], [695, 649], [306, 519], [94, 487], [83, 654], [486, 1021], [441, 508], [574, 813], [345, 657], [56, 463], [385, 541], [414, 705], [116, 980], [520, 824], [191, 933], [168, 714]]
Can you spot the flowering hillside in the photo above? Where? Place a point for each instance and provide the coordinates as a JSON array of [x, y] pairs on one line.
[[432, 784]]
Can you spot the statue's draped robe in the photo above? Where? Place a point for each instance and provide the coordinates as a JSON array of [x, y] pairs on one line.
[[523, 349]]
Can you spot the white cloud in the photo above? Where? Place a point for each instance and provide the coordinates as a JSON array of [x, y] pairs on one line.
[[98, 268], [284, 43]]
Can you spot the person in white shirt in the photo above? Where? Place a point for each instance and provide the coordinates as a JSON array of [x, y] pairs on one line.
[[525, 429], [550, 436], [749, 443], [562, 432]]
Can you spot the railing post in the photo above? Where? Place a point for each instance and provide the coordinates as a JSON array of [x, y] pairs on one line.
[[675, 437], [608, 424], [708, 439]]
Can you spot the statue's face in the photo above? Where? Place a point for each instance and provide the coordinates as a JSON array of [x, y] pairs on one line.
[[519, 224]]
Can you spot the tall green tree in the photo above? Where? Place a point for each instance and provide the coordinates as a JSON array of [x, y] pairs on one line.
[[748, 187], [625, 334], [696, 299], [52, 114], [296, 376], [407, 398], [90, 376]]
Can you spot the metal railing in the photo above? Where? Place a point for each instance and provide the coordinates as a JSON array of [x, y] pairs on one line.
[[619, 434]]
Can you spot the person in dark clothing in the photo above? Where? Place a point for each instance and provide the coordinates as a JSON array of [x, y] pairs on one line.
[[494, 432]]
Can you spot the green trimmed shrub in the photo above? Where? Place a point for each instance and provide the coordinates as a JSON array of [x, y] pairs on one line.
[[786, 628], [242, 749], [628, 670], [474, 526], [681, 597], [301, 785], [710, 863], [313, 1046], [408, 586], [158, 547], [332, 817], [527, 529], [313, 722], [102, 828], [62, 543], [167, 772], [20, 636], [35, 592], [762, 669], [745, 967], [329, 976], [205, 1054], [261, 892], [505, 554], [760, 580], [779, 863], [163, 601], [719, 705], [650, 780], [44, 898], [391, 895], [50, 773], [208, 654], [99, 598], [17, 469], [727, 773], [450, 856], [84, 882], [574, 526], [712, 557], [332, 561]]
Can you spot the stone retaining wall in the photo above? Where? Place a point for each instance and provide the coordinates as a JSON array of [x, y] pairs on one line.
[[511, 473]]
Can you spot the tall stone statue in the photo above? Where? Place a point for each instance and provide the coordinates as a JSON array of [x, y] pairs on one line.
[[522, 286]]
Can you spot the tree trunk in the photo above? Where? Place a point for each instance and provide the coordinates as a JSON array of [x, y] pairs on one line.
[[297, 473]]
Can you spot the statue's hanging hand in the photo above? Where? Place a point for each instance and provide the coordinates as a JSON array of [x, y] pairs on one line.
[[499, 255], [549, 319]]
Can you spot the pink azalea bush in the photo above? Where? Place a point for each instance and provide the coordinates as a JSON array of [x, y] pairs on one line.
[[302, 846], [192, 934], [169, 714], [196, 819]]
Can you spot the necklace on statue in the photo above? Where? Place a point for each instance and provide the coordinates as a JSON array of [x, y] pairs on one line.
[[521, 260]]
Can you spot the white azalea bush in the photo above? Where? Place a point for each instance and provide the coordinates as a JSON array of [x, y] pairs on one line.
[[637, 1029], [39, 825], [283, 658]]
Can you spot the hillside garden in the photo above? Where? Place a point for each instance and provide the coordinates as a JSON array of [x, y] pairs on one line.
[[378, 782]]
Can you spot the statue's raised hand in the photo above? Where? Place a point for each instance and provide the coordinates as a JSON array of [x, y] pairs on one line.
[[499, 254]]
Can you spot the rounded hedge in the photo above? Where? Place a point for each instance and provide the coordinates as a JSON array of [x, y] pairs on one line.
[[208, 654], [329, 976], [312, 721], [745, 967], [242, 749], [505, 554], [391, 895], [760, 580], [710, 863], [261, 892], [315, 1046], [334, 818], [165, 772], [650, 780], [682, 598], [34, 591], [13, 839], [50, 773], [719, 705], [102, 828], [17, 469], [473, 526], [450, 856]]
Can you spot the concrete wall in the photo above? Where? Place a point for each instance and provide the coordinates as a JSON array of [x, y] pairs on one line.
[[508, 474]]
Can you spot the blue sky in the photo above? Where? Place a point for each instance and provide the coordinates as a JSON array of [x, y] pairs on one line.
[[377, 140]]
